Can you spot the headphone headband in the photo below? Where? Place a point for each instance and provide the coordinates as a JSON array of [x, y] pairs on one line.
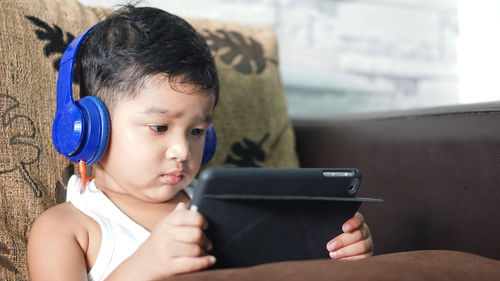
[[81, 129], [65, 76]]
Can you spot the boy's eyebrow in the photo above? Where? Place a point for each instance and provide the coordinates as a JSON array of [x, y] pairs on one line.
[[162, 111], [155, 110]]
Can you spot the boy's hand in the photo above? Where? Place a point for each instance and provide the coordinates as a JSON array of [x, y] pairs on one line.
[[176, 245], [355, 243]]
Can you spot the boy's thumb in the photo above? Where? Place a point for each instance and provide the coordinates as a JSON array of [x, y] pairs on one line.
[[180, 206]]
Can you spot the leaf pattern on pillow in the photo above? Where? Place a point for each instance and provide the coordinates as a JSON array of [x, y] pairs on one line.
[[238, 50], [56, 43], [248, 153], [18, 133]]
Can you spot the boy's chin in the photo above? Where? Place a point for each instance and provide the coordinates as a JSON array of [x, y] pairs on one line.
[[162, 195]]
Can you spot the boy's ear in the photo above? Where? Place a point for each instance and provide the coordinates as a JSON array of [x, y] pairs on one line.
[[251, 120]]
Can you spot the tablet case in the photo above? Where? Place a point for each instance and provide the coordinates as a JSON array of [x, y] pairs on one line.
[[262, 215]]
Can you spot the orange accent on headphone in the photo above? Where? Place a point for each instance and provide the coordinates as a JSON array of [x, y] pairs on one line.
[[83, 171]]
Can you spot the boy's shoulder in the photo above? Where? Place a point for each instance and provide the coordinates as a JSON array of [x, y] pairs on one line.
[[60, 214], [63, 221], [62, 229]]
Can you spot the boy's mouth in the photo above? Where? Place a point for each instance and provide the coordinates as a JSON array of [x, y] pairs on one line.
[[173, 178]]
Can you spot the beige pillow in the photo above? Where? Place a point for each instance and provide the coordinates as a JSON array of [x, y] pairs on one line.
[[251, 119], [33, 35]]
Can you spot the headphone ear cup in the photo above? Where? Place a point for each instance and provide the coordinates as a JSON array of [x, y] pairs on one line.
[[210, 145], [97, 130], [67, 130]]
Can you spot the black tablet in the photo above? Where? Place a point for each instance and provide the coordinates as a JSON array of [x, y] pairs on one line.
[[262, 215]]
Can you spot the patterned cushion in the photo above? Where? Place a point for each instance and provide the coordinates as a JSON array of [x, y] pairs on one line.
[[251, 119]]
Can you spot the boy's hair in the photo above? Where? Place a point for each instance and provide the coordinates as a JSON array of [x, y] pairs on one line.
[[123, 52]]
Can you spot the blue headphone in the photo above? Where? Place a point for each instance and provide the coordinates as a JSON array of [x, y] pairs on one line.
[[81, 129]]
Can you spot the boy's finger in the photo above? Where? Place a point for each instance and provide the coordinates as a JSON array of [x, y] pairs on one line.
[[364, 247], [187, 218], [180, 206], [353, 223], [358, 257], [180, 249], [348, 238], [188, 264], [192, 235]]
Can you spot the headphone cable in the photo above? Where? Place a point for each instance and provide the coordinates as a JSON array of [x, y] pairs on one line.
[[82, 167]]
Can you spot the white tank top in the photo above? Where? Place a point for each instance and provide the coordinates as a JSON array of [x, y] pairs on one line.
[[120, 235]]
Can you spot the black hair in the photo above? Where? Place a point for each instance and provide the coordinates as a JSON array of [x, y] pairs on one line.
[[128, 48]]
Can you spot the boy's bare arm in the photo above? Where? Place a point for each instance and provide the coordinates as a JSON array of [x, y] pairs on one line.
[[53, 250]]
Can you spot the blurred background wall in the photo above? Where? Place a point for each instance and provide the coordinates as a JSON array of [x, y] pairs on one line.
[[343, 56]]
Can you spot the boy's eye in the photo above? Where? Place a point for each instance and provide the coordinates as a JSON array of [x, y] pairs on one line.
[[197, 132], [159, 129]]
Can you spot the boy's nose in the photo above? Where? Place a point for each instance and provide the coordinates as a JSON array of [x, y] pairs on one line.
[[179, 152]]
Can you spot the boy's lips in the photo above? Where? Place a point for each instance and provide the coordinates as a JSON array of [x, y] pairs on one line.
[[172, 177]]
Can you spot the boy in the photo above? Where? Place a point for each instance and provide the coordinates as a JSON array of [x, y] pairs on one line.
[[157, 79]]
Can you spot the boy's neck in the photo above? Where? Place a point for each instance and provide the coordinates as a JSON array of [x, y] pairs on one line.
[[146, 214]]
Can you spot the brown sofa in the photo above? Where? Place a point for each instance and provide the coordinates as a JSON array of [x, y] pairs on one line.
[[437, 171]]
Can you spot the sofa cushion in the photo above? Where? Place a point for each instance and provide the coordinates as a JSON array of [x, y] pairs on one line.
[[251, 119], [404, 266]]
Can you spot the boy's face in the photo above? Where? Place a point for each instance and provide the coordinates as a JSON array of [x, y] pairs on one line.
[[157, 141]]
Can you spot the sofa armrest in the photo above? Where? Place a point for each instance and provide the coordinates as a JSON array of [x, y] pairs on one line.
[[437, 170]]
